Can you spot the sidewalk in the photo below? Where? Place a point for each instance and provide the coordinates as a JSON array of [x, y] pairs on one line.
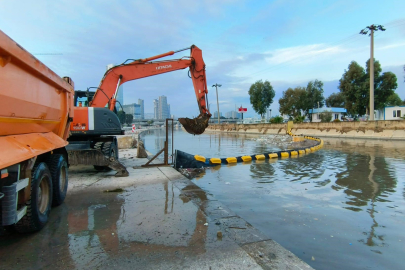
[[153, 219]]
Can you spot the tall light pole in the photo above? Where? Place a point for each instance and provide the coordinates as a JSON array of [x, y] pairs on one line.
[[364, 31], [216, 86]]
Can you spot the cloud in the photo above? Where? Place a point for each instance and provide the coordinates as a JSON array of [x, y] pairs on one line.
[[303, 54], [391, 46]]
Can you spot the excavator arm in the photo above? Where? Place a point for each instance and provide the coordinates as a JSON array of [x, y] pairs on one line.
[[137, 69]]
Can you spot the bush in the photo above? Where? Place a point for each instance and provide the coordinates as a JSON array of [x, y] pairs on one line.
[[276, 120], [299, 119], [336, 120], [325, 117]]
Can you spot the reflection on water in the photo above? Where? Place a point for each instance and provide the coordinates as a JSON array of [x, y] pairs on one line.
[[208, 145], [146, 225], [342, 205]]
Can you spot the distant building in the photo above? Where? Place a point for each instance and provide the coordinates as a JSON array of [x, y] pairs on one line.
[[216, 114], [233, 115], [134, 109], [390, 113], [155, 109], [163, 108], [337, 113], [120, 95], [141, 103], [149, 116]]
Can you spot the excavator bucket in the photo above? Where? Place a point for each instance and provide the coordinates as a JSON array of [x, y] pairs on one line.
[[197, 125]]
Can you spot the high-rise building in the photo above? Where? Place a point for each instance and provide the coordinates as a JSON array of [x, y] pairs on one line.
[[216, 114], [134, 109], [120, 95], [163, 108], [155, 109], [232, 114], [141, 103]]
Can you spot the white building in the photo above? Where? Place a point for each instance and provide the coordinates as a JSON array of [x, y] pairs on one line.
[[390, 113], [337, 113]]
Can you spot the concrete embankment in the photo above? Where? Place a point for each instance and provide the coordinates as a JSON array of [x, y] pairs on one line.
[[392, 130]]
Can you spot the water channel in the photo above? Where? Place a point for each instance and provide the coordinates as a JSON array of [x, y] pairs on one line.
[[342, 207]]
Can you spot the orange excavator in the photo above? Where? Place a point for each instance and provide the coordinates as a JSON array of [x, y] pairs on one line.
[[94, 125]]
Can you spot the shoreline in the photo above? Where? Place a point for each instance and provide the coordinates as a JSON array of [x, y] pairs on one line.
[[377, 130]]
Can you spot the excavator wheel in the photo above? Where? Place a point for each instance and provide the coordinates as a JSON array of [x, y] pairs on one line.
[[109, 149]]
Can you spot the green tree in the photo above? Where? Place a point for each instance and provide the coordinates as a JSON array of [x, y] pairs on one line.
[[129, 118], [355, 86], [150, 122], [352, 86], [314, 96], [276, 120], [261, 96], [384, 84], [336, 100], [292, 101], [394, 100], [299, 119], [325, 117], [121, 117]]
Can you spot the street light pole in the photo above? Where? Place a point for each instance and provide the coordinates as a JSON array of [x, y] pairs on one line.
[[364, 31], [216, 86]]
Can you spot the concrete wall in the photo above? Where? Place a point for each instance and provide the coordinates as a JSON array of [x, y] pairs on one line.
[[367, 130]]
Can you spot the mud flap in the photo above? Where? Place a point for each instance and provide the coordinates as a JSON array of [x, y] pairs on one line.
[[96, 157]]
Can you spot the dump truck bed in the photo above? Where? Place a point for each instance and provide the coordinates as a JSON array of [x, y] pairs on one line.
[[35, 105]]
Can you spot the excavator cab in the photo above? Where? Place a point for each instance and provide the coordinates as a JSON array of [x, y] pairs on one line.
[[83, 98]]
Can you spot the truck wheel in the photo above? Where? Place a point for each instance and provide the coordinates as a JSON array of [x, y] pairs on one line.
[[39, 204], [59, 172]]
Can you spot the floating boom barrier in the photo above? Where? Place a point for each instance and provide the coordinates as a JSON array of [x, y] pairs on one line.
[[185, 160]]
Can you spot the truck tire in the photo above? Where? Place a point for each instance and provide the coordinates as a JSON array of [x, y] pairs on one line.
[[40, 202], [59, 172], [109, 149]]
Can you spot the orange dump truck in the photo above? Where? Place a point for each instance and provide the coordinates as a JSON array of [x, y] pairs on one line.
[[36, 108]]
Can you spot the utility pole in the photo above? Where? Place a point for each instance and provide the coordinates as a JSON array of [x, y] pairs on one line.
[[364, 31], [216, 86]]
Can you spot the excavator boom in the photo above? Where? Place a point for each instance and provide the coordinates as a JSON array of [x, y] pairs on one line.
[[137, 69]]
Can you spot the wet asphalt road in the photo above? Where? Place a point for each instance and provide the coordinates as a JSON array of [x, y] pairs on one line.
[[154, 219]]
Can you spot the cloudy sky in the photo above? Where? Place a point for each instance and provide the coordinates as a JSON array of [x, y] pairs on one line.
[[285, 42]]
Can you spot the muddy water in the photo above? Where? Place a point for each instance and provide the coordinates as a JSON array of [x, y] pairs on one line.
[[339, 208]]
